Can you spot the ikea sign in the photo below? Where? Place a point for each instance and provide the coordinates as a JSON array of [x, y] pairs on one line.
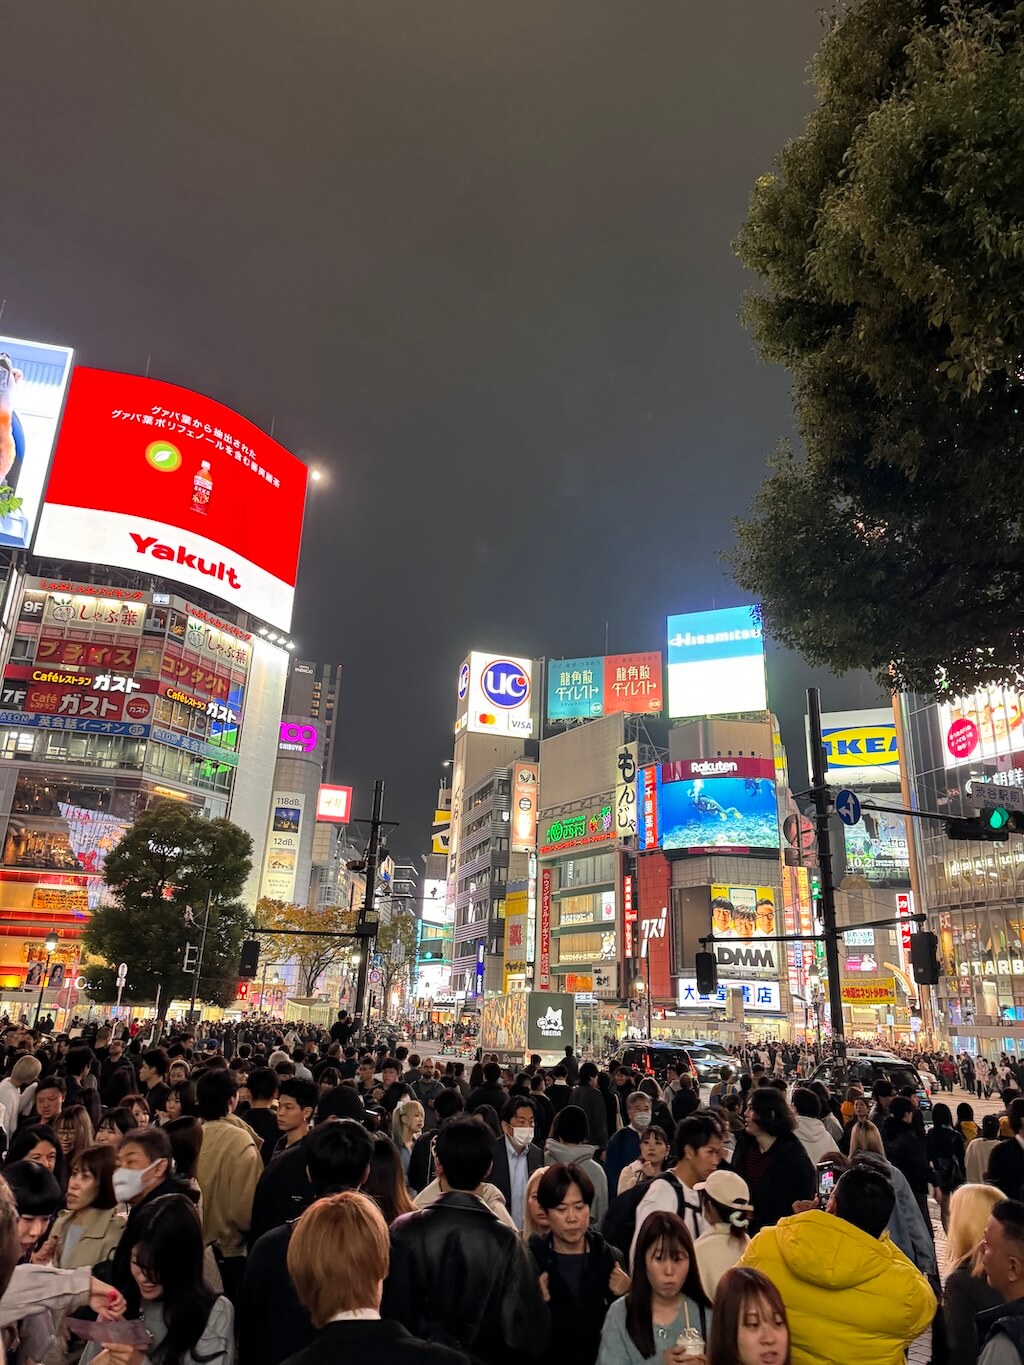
[[861, 747]]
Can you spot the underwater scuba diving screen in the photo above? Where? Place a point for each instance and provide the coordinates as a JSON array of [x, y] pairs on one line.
[[719, 813]]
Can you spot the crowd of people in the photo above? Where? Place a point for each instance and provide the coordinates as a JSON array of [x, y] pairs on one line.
[[269, 1194]]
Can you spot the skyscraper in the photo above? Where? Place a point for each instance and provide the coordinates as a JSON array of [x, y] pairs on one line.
[[314, 690]]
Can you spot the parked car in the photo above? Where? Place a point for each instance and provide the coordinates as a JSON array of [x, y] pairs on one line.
[[708, 1063], [654, 1059], [866, 1070]]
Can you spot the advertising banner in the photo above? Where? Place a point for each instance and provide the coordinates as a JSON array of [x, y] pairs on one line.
[[633, 684], [190, 491], [514, 963], [985, 726], [626, 763], [525, 801], [551, 1023], [575, 688], [280, 862], [716, 663], [878, 848], [578, 831], [499, 695], [740, 917], [760, 997], [33, 380], [861, 748], [733, 808], [441, 831], [544, 964], [869, 990], [628, 916], [334, 804]]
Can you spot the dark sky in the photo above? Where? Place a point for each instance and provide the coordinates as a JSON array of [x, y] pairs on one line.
[[473, 258]]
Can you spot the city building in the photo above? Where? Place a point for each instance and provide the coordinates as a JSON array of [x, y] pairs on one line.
[[314, 690], [137, 664]]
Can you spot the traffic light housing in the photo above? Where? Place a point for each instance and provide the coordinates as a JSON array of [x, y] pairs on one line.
[[924, 959], [243, 990], [249, 960], [431, 952], [191, 958], [707, 973], [992, 826]]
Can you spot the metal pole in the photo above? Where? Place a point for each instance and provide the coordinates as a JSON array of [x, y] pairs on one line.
[[199, 956], [366, 916], [42, 987], [830, 932]]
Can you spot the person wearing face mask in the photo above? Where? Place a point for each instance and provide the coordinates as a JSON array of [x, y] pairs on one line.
[[624, 1146], [515, 1156]]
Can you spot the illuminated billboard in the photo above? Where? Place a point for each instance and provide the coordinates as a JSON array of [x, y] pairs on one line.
[[498, 695], [334, 804], [33, 380], [861, 748], [716, 663], [281, 858], [190, 491], [604, 685], [982, 727], [878, 849], [709, 806]]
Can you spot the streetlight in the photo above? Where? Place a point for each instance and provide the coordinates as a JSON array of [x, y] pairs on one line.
[[50, 944]]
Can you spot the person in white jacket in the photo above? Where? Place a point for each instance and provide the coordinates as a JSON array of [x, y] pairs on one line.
[[18, 1092], [818, 1142], [487, 1194], [725, 1201]]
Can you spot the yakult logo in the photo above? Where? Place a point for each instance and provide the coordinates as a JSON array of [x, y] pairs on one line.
[[504, 684], [182, 555]]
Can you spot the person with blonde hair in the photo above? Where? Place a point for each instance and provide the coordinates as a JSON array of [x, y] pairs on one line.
[[967, 1292], [338, 1260], [18, 1092], [406, 1126]]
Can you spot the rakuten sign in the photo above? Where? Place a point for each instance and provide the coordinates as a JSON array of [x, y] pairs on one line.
[[154, 477]]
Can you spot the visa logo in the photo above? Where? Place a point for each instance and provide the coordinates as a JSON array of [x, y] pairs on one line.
[[861, 746]]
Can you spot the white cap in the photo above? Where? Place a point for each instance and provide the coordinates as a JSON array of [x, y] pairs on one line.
[[728, 1189]]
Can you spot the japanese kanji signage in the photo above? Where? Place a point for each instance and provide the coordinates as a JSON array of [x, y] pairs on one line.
[[514, 965], [869, 990], [603, 685], [544, 971], [576, 831], [190, 491], [626, 761], [759, 997]]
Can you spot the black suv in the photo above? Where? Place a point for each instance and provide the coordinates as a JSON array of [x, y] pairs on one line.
[[654, 1059], [865, 1071]]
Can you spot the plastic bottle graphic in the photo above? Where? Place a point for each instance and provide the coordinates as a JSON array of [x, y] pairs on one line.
[[202, 489]]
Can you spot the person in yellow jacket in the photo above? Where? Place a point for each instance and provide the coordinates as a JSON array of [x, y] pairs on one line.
[[850, 1293], [228, 1171]]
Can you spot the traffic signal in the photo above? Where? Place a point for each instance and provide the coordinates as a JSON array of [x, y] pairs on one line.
[[191, 958], [992, 826], [243, 990], [430, 953], [250, 959], [924, 959], [707, 973]]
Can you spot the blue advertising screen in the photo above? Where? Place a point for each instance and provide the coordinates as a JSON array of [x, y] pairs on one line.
[[719, 813]]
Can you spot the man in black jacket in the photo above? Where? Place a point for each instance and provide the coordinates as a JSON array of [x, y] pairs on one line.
[[1006, 1162], [458, 1275], [272, 1323], [492, 1091], [515, 1155]]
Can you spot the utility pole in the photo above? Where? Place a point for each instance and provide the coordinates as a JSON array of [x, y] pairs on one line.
[[367, 926], [822, 811], [199, 958]]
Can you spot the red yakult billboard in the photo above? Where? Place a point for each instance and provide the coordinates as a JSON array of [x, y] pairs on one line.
[[150, 476]]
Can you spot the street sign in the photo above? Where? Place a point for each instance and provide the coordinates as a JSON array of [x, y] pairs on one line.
[[122, 971], [991, 795], [848, 807], [376, 959], [375, 976]]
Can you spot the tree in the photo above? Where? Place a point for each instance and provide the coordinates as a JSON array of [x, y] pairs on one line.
[[313, 954], [891, 248], [396, 943], [161, 873]]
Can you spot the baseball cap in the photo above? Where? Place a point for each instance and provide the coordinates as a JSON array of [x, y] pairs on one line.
[[728, 1189]]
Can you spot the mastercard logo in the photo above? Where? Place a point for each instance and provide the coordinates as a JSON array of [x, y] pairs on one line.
[[484, 718]]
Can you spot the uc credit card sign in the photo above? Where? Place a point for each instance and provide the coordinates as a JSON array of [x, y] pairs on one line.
[[153, 477], [500, 695]]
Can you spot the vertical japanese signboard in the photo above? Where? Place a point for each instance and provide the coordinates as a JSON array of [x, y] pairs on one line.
[[544, 972], [280, 864], [516, 907], [524, 807], [628, 916], [647, 823], [626, 761]]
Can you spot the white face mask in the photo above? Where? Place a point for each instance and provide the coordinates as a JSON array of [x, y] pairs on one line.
[[641, 1118], [522, 1137], [128, 1184]]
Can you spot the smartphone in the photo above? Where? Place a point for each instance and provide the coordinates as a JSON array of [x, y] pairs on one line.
[[124, 1332], [828, 1174]]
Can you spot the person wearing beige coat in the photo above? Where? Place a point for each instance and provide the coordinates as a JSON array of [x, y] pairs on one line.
[[99, 1231], [228, 1171]]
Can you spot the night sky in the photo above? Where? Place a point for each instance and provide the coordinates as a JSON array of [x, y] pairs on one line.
[[473, 258]]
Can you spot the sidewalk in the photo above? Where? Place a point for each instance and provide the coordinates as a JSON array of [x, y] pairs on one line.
[[920, 1352]]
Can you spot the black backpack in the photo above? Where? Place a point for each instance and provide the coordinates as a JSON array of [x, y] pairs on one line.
[[620, 1221]]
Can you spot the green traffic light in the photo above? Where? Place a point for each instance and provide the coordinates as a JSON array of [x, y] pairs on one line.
[[998, 818]]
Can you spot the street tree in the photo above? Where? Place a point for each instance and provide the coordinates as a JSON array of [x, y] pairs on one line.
[[396, 943], [302, 942], [161, 874], [890, 246]]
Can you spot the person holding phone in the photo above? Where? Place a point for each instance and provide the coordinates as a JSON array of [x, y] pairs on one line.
[[187, 1322]]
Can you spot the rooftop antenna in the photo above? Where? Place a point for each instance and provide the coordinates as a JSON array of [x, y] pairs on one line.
[[606, 635], [273, 419], [148, 359], [2, 307]]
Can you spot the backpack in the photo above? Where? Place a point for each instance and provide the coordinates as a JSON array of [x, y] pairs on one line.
[[620, 1221]]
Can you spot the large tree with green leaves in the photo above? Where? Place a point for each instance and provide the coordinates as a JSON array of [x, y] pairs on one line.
[[890, 242], [161, 874]]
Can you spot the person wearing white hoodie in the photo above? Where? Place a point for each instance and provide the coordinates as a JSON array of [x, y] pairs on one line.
[[568, 1143], [818, 1142]]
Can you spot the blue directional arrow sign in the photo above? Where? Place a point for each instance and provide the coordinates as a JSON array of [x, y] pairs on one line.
[[848, 807]]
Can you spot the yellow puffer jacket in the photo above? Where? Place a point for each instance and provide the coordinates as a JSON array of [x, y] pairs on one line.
[[849, 1296]]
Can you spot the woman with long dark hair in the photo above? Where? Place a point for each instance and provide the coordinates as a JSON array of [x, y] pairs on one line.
[[750, 1323], [386, 1182], [666, 1304], [189, 1322], [772, 1160], [73, 1127], [946, 1158]]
